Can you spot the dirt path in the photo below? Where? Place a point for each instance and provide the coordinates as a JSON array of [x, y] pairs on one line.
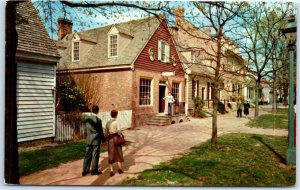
[[149, 146]]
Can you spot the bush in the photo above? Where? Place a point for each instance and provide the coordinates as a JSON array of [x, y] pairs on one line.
[[198, 106], [221, 108], [229, 105], [70, 97]]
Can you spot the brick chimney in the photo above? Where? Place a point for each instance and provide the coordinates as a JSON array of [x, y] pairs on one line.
[[179, 13], [207, 31], [64, 28]]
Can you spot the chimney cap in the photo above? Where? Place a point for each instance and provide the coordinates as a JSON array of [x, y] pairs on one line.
[[65, 21]]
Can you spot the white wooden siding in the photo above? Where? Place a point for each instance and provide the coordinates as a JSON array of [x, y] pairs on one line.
[[35, 101]]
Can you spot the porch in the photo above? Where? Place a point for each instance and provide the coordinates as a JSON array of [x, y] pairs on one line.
[[177, 115]]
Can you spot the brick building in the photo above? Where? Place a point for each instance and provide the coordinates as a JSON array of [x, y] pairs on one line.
[[120, 66], [198, 55]]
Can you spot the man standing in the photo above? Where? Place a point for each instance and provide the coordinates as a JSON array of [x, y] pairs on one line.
[[239, 108], [169, 100], [94, 136]]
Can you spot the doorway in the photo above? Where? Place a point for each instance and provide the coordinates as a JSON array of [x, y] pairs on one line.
[[162, 92]]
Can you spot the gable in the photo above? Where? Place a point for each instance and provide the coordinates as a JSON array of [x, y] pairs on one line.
[[144, 62]]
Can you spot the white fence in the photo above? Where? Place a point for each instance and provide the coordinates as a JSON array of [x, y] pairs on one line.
[[65, 131]]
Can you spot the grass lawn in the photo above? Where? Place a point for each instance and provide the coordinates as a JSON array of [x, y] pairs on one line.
[[278, 120], [240, 160], [35, 160]]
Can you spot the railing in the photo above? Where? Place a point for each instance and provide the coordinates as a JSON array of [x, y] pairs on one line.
[[179, 108]]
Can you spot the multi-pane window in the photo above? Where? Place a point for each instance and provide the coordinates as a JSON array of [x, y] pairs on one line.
[[175, 91], [145, 91], [163, 51], [75, 51], [113, 41]]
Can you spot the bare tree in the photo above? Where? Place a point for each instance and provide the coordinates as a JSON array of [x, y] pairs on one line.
[[259, 37], [219, 17]]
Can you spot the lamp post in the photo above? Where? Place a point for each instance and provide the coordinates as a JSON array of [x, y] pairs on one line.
[[290, 34]]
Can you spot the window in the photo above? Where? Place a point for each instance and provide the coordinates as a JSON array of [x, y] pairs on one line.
[[113, 46], [175, 91], [76, 51], [145, 92], [163, 51]]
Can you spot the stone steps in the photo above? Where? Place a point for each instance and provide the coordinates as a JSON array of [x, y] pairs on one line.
[[159, 120]]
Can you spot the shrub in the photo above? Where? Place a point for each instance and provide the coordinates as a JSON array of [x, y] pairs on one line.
[[221, 108], [198, 106], [229, 105], [70, 97]]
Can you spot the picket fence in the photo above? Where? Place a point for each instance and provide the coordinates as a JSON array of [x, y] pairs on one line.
[[65, 131]]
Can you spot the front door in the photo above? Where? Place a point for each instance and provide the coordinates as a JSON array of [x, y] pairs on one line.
[[162, 91]]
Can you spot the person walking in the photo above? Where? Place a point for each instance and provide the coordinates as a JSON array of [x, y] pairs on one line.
[[239, 108], [95, 135], [246, 108], [115, 153]]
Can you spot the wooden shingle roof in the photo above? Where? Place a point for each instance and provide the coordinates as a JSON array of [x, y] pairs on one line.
[[139, 31], [32, 35]]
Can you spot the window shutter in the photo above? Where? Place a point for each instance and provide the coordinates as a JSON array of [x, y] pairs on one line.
[[159, 50], [167, 53]]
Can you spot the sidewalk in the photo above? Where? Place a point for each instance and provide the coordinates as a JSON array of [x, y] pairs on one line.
[[149, 146]]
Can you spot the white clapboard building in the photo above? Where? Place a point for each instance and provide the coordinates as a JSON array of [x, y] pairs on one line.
[[37, 58]]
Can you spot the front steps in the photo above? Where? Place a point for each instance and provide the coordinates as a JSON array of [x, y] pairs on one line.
[[163, 120]]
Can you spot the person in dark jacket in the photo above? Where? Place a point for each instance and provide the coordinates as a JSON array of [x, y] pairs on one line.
[[246, 108], [94, 137]]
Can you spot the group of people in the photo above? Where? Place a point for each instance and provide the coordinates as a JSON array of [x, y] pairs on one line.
[[96, 136], [240, 105]]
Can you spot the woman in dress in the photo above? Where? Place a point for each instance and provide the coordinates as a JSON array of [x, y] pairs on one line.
[[115, 153]]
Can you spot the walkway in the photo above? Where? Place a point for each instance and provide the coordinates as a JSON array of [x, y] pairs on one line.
[[149, 146]]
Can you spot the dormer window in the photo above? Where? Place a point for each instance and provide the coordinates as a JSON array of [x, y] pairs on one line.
[[163, 51], [113, 46], [75, 52]]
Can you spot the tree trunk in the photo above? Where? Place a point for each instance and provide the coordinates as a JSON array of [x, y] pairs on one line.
[[274, 102], [216, 93], [11, 168], [257, 84]]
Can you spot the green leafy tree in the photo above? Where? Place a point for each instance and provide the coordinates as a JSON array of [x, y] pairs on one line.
[[70, 97]]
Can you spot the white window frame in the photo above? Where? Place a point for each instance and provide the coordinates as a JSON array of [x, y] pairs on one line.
[[109, 45], [73, 46], [178, 93], [163, 46], [150, 93]]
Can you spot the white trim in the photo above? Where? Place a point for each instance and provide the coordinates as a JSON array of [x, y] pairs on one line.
[[93, 69], [159, 50]]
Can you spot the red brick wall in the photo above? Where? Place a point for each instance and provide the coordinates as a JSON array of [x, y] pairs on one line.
[[143, 62], [141, 114], [108, 90], [145, 68]]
